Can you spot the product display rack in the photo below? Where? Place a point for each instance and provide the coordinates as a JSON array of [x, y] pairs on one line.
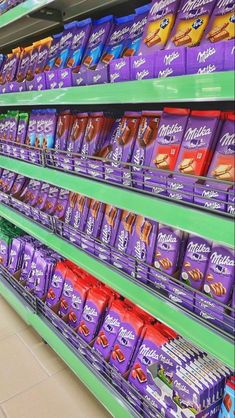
[[174, 214], [203, 88], [172, 315]]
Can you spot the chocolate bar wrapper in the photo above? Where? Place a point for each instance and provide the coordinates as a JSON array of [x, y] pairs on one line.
[[120, 70], [78, 218], [93, 224], [23, 65], [122, 149], [108, 232], [206, 59], [78, 301], [122, 262], [211, 311], [98, 76], [187, 393], [126, 341], [161, 19], [92, 314], [33, 61], [31, 135], [136, 31], [220, 273], [199, 142], [63, 131], [181, 188], [19, 184], [56, 285], [144, 145], [66, 40], [75, 140], [53, 52], [221, 24], [231, 202], [43, 54], [229, 56], [4, 250], [195, 261], [21, 133], [97, 40], [170, 63], [117, 39], [124, 238], [191, 22], [181, 296], [51, 200], [44, 272], [66, 297], [79, 77], [228, 404], [62, 203], [212, 195], [142, 68], [79, 42]]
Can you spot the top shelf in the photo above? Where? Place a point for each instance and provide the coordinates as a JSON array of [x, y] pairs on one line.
[[189, 88], [24, 21]]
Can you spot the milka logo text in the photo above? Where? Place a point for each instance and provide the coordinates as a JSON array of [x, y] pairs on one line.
[[221, 260], [96, 35], [181, 387], [110, 320], [203, 56], [124, 333], [162, 4], [90, 311], [227, 139], [166, 238], [197, 133], [224, 3], [168, 59], [194, 4], [148, 352], [170, 129], [193, 247]]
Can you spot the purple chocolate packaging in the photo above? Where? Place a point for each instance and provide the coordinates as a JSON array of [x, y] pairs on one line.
[[120, 70], [53, 52], [170, 63], [62, 203], [191, 22], [136, 31], [66, 298], [229, 58], [231, 202], [51, 201], [21, 133], [23, 65], [79, 42], [93, 225], [219, 278], [124, 240], [56, 285], [31, 135], [206, 59], [221, 24], [66, 40], [108, 232], [195, 261], [161, 19], [212, 195], [33, 62], [75, 140], [44, 271], [142, 68], [19, 184], [97, 40], [144, 145]]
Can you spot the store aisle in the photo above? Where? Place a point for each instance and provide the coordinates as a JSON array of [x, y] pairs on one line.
[[34, 382]]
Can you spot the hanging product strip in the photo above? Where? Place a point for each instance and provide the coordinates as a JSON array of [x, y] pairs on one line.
[[164, 154], [175, 265], [129, 348]]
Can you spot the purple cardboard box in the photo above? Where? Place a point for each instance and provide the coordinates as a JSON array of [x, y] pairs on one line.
[[122, 149], [191, 22], [143, 243], [108, 232], [180, 295], [39, 82], [142, 68], [205, 59], [170, 63], [220, 274], [64, 77], [30, 85], [52, 79], [79, 77], [144, 145], [98, 76], [210, 311], [160, 22], [212, 195], [181, 188], [229, 59], [231, 202], [195, 261], [120, 70]]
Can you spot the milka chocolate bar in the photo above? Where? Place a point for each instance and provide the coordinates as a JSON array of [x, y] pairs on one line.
[[221, 25]]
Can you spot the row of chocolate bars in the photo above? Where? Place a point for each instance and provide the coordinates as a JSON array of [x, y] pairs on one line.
[[159, 152], [147, 354], [6, 5], [147, 251], [89, 52]]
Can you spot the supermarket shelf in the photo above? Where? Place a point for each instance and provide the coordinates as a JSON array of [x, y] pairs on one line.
[[184, 324], [113, 404], [209, 225], [22, 22], [197, 88]]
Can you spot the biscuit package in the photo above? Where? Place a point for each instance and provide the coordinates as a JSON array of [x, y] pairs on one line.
[[192, 19], [195, 262], [221, 25], [161, 19], [98, 37], [220, 274], [198, 142]]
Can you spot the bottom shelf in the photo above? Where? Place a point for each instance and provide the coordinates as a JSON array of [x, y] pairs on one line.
[[103, 392]]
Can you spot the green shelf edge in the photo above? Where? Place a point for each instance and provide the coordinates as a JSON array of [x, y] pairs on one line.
[[211, 226], [186, 326], [22, 10], [97, 388], [206, 87]]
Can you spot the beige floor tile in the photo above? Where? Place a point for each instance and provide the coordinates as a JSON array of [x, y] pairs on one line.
[[11, 323], [19, 370], [60, 396], [43, 353], [2, 415]]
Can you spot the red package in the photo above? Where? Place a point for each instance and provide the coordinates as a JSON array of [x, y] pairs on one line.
[[66, 298]]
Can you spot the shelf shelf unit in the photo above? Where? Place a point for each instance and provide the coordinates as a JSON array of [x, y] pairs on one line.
[[108, 398], [197, 88], [190, 219], [170, 314]]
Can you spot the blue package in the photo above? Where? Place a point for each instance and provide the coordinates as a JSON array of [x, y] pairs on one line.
[[65, 44], [117, 39], [99, 35], [47, 137], [79, 43], [54, 49], [137, 30]]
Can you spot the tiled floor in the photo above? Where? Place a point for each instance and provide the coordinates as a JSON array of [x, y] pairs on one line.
[[34, 382]]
